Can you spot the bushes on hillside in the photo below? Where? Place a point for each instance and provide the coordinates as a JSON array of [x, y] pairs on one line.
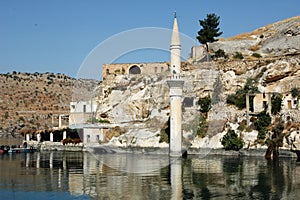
[[231, 141], [239, 98], [276, 102], [220, 53], [165, 133], [202, 127], [238, 55], [295, 92], [205, 104], [262, 123], [256, 55]]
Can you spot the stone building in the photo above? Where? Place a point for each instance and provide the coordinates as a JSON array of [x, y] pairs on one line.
[[134, 68], [290, 102], [81, 112], [261, 102]]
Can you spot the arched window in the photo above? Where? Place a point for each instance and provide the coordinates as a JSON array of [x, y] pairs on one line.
[[155, 69], [134, 70]]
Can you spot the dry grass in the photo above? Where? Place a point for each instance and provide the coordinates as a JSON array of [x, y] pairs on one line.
[[35, 99], [270, 29], [243, 36], [255, 47]]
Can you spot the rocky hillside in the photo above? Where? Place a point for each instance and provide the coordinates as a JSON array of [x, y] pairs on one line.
[[141, 102], [35, 100], [280, 38]]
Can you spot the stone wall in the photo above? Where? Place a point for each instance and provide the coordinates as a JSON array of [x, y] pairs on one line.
[[134, 68]]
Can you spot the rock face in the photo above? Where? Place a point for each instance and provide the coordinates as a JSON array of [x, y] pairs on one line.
[[138, 99], [141, 102], [277, 39]]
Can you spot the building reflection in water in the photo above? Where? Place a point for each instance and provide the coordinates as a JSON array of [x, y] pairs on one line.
[[133, 176], [176, 178]]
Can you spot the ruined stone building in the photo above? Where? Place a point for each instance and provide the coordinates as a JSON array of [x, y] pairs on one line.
[[134, 68]]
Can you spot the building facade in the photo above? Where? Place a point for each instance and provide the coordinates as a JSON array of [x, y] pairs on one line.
[[134, 68], [82, 111]]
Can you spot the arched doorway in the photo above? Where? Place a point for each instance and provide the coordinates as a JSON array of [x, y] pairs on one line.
[[134, 70]]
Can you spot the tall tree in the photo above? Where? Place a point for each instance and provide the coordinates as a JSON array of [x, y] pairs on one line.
[[209, 30]]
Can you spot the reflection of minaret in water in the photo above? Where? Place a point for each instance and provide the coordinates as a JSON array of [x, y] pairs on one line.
[[176, 178], [175, 84]]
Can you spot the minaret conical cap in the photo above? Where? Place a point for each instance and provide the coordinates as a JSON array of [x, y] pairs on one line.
[[175, 40]]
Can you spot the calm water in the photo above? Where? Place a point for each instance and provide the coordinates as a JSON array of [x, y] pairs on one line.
[[58, 175]]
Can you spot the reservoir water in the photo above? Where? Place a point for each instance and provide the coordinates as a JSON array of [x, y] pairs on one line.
[[77, 175]]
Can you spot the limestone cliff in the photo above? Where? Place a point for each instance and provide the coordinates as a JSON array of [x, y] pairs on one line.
[[140, 103]]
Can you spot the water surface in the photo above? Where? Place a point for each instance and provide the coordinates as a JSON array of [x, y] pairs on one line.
[[74, 175]]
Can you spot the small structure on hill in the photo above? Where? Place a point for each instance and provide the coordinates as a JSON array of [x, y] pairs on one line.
[[134, 68], [82, 111]]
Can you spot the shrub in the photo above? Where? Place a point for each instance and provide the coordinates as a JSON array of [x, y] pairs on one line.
[[165, 133], [205, 104], [92, 120], [164, 136], [117, 71], [276, 101], [220, 53], [238, 55], [262, 133], [239, 98], [71, 141], [263, 120], [256, 55], [295, 92], [103, 121], [202, 127], [261, 125], [231, 141], [242, 125]]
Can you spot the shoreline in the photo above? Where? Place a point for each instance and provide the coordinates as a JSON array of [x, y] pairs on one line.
[[109, 149]]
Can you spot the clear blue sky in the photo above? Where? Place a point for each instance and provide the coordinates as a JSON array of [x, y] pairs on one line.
[[57, 35]]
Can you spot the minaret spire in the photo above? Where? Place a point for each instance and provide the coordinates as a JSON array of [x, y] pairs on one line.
[[175, 48], [175, 84]]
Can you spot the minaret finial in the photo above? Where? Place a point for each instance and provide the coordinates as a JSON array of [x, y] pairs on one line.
[[175, 14]]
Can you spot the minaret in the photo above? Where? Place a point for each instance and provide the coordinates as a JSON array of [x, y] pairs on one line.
[[175, 48], [175, 84]]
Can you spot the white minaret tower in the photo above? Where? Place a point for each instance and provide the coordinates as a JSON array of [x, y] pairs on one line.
[[175, 84]]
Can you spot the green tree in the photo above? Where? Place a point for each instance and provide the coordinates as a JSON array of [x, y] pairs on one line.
[[239, 98], [276, 102], [231, 141], [276, 140], [262, 123], [205, 104], [209, 29]]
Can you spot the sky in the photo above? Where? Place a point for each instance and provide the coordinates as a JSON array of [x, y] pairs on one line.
[[63, 36]]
